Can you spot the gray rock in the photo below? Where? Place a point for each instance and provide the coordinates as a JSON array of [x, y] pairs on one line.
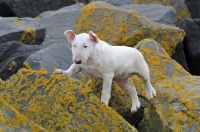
[[32, 8], [156, 12], [116, 2], [59, 21], [25, 30], [193, 6], [56, 56], [12, 56]]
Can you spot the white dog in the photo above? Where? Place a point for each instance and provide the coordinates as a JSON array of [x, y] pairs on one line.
[[107, 62]]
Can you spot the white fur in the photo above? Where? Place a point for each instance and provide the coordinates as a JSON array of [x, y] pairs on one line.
[[109, 63]]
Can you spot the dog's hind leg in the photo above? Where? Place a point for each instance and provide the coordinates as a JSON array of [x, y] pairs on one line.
[[124, 84]]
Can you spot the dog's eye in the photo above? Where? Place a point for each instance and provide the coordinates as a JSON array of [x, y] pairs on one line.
[[85, 46], [74, 45]]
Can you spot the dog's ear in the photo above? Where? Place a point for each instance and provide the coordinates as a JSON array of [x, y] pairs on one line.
[[70, 35], [93, 37]]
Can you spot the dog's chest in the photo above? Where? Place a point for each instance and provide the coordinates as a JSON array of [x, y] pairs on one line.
[[92, 70]]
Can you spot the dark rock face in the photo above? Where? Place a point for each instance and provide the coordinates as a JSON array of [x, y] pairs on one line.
[[192, 44], [30, 8], [25, 30], [193, 6], [179, 56], [12, 56]]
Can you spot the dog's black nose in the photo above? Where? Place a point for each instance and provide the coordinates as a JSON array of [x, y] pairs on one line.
[[78, 61]]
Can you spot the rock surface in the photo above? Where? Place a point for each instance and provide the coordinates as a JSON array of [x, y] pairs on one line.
[[122, 27], [30, 8], [193, 6], [25, 30], [176, 107], [12, 121], [57, 22], [192, 44], [179, 5], [58, 103], [180, 57], [56, 56], [116, 2], [12, 56], [156, 12]]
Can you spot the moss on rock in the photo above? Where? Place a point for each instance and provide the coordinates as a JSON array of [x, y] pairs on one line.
[[125, 27], [176, 107], [58, 103]]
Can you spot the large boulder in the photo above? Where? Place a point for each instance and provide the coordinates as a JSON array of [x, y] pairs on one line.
[[192, 44], [122, 27], [32, 8], [176, 107], [58, 103], [193, 6], [13, 121], [57, 22], [12, 56], [179, 5], [156, 12], [25, 30]]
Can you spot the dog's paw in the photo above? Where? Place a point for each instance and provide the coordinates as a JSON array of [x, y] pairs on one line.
[[58, 71], [135, 106], [151, 93]]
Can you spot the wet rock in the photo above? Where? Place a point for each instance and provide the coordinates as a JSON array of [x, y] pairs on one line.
[[12, 56], [156, 12], [122, 27], [57, 22], [24, 30]]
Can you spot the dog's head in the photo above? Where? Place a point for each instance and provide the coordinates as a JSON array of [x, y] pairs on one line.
[[82, 45]]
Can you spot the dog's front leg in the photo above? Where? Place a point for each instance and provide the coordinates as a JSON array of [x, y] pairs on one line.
[[106, 91], [74, 69]]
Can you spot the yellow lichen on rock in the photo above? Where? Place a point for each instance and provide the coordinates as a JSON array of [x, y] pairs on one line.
[[58, 103], [29, 30], [122, 27], [175, 108], [12, 120]]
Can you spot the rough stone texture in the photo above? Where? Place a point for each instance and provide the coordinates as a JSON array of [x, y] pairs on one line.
[[192, 44], [176, 107], [116, 2], [179, 56], [156, 12], [161, 67], [179, 5], [12, 121], [58, 103], [121, 27], [193, 6], [12, 56], [56, 56], [32, 8], [25, 30], [57, 22]]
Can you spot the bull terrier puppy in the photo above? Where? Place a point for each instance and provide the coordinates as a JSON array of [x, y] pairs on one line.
[[109, 63]]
